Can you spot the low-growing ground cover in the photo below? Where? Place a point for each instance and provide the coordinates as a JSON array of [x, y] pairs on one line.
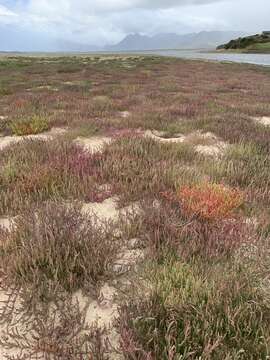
[[140, 228]]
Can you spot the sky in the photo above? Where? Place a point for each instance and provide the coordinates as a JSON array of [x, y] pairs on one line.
[[51, 24]]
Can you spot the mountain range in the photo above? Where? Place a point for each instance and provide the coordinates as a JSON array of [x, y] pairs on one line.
[[201, 40], [11, 40]]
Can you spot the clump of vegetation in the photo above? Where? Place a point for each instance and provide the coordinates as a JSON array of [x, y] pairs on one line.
[[35, 171], [101, 105], [165, 228], [140, 166], [27, 126], [54, 246], [210, 202], [4, 123], [189, 314], [4, 91], [248, 41], [244, 166]]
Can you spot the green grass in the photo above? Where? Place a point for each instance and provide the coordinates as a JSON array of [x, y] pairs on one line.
[[35, 124], [263, 47], [189, 315]]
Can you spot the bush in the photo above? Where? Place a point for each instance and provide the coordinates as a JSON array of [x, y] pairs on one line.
[[220, 314], [27, 126], [54, 246], [166, 229], [210, 202], [4, 91]]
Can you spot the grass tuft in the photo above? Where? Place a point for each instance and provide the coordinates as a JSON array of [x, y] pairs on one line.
[[191, 315], [28, 126], [54, 246]]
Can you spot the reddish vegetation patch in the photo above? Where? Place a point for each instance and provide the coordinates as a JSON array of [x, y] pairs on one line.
[[210, 201]]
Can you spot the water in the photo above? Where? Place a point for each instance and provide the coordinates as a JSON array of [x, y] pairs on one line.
[[258, 59]]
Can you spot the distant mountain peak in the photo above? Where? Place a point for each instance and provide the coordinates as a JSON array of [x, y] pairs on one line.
[[203, 39]]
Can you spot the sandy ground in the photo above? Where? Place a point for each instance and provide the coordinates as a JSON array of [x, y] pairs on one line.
[[108, 209], [5, 223], [124, 114], [43, 87], [265, 120], [103, 310], [205, 143], [93, 144], [5, 141]]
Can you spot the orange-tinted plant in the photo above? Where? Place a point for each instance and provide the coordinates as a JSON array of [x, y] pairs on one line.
[[210, 202]]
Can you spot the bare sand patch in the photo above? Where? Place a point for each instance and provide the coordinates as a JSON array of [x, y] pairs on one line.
[[93, 144], [102, 313], [7, 353], [124, 114], [6, 223], [108, 209], [265, 120], [48, 135], [205, 143], [46, 87], [43, 87], [127, 259], [159, 136], [210, 150]]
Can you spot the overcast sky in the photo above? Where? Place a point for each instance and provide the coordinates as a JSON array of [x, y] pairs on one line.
[[40, 23]]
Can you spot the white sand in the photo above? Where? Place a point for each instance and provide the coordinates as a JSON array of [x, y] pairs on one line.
[[102, 312], [153, 135], [210, 144], [108, 209], [6, 222], [265, 120], [124, 114], [93, 144], [48, 135], [211, 150]]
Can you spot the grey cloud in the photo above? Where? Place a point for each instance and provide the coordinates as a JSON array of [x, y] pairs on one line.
[[101, 22]]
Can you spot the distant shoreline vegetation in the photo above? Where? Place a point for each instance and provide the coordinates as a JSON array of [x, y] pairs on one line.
[[259, 43]]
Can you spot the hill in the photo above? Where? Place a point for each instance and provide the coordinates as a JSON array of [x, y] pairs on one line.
[[253, 43], [204, 39]]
